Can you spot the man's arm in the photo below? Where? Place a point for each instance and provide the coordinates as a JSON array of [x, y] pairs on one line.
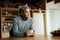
[[15, 28], [31, 28]]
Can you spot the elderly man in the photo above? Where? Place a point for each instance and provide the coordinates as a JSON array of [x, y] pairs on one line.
[[23, 23]]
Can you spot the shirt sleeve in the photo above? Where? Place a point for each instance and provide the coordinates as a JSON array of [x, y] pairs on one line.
[[15, 28], [31, 26]]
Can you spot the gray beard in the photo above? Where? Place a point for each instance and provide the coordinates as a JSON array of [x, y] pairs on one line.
[[23, 18]]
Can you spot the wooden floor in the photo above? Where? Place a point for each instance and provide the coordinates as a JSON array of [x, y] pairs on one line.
[[37, 37]]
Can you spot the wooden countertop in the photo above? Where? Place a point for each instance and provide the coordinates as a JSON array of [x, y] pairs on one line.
[[37, 37]]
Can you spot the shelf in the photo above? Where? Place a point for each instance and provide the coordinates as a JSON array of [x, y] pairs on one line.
[[10, 9], [8, 16], [7, 21]]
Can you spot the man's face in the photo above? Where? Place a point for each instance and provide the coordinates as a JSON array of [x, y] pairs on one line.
[[26, 13]]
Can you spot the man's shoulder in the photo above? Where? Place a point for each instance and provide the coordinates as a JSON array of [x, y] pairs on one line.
[[31, 19], [17, 17]]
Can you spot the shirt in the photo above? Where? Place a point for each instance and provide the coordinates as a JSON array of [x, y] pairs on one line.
[[20, 26]]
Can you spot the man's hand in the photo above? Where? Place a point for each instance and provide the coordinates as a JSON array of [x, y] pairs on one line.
[[28, 33]]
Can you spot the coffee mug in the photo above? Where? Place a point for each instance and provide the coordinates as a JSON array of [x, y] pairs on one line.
[[31, 31]]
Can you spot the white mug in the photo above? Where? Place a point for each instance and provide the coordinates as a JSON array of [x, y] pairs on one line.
[[31, 31]]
